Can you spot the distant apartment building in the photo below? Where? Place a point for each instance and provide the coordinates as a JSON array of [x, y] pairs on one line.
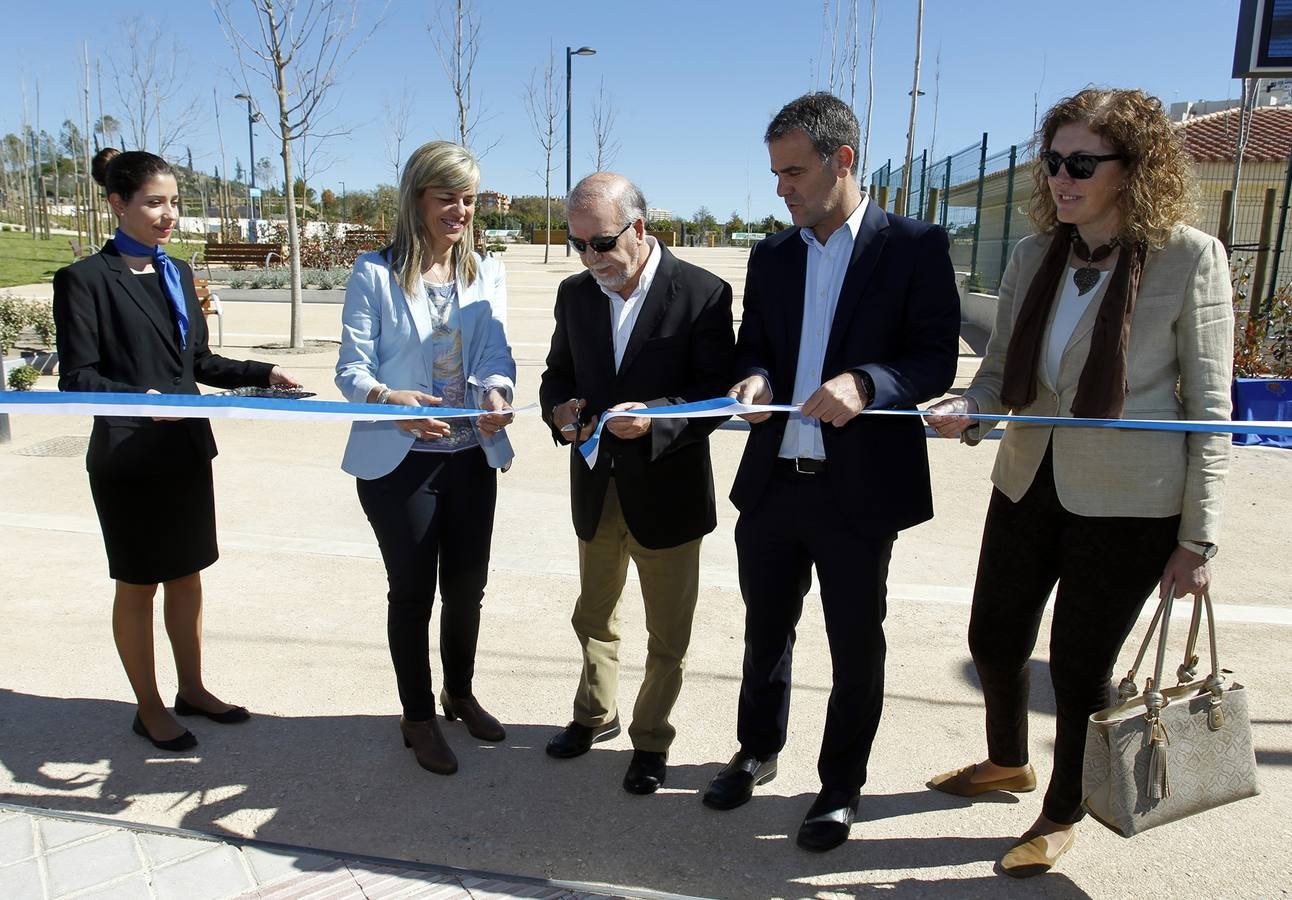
[[493, 201], [656, 214]]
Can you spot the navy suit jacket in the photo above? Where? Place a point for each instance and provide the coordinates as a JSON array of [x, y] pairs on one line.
[[898, 318]]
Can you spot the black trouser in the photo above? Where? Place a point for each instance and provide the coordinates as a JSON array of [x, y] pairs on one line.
[[1105, 568], [433, 515], [795, 526]]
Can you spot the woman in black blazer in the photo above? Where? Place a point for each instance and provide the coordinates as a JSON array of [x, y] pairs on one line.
[[129, 321]]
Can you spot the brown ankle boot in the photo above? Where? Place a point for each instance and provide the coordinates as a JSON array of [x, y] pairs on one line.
[[479, 723], [433, 752]]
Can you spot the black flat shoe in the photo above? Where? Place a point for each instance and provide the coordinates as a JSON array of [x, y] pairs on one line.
[[646, 772], [185, 741], [575, 739], [828, 820], [734, 785], [232, 716]]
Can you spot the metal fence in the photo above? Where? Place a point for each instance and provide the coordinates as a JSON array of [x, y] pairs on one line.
[[980, 196]]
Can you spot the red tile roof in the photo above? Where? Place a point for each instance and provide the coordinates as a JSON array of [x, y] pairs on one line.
[[1214, 137]]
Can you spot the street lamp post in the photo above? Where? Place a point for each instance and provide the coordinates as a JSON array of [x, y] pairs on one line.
[[569, 55], [343, 203], [251, 140]]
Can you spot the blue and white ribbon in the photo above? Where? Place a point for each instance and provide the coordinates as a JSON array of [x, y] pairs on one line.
[[210, 406], [727, 406]]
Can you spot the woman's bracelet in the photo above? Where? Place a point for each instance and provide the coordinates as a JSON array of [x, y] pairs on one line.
[[384, 395]]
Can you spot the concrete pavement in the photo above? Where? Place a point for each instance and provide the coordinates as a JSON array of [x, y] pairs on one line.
[[295, 630]]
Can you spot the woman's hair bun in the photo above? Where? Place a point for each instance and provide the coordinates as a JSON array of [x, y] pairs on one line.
[[99, 166]]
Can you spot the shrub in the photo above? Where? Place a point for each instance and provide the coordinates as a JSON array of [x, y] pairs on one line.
[[237, 284], [23, 378], [1262, 342], [17, 314], [13, 317]]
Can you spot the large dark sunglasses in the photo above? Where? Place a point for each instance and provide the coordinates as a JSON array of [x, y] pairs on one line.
[[1079, 165], [599, 244]]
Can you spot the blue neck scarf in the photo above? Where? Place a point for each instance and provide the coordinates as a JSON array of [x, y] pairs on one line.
[[172, 285]]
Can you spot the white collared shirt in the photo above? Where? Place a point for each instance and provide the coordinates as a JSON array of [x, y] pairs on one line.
[[623, 313], [827, 264]]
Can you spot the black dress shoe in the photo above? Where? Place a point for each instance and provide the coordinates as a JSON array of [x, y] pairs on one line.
[[575, 739], [734, 785], [646, 772], [185, 741], [231, 716], [828, 820]]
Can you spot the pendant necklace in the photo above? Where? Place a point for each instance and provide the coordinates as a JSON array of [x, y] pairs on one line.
[[1087, 276]]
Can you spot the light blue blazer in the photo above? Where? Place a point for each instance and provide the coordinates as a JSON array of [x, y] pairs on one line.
[[386, 339]]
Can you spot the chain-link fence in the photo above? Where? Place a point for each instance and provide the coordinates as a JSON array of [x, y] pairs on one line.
[[980, 195]]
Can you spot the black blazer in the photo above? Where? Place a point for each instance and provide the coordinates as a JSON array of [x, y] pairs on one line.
[[898, 318], [680, 351], [111, 337]]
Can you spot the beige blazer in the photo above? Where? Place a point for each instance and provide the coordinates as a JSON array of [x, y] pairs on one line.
[[1179, 366]]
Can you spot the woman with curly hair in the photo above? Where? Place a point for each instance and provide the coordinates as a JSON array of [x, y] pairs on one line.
[[1114, 309]]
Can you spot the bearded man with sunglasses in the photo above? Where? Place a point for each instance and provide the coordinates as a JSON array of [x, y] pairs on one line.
[[640, 328]]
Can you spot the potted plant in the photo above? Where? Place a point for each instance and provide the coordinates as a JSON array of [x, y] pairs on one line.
[[1262, 389]]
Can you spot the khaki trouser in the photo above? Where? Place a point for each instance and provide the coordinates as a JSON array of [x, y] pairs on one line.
[[670, 583]]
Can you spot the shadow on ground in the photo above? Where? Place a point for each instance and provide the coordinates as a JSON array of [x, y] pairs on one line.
[[346, 783]]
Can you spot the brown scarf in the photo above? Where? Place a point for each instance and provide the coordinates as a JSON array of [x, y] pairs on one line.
[[1101, 391]]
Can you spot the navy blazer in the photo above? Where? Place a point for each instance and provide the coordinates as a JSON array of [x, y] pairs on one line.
[[898, 318], [679, 351], [112, 337]]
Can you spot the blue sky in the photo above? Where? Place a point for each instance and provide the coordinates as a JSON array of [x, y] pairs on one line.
[[695, 82]]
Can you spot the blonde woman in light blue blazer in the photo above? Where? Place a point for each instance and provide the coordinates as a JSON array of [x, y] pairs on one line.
[[424, 324]]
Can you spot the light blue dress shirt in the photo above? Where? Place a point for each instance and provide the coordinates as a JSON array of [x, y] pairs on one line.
[[827, 264]]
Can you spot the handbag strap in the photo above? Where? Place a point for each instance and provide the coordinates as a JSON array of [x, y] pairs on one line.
[[1186, 672]]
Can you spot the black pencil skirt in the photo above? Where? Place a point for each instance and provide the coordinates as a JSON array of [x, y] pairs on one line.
[[157, 526]]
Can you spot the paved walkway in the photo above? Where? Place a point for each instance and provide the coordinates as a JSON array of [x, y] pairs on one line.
[[51, 856], [295, 630]]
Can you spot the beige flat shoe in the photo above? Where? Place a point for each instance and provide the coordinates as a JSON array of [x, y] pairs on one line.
[[959, 782], [1029, 858]]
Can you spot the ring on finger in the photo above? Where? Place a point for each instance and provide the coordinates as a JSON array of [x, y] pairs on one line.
[[415, 432]]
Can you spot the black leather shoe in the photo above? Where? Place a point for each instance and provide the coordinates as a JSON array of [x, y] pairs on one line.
[[575, 739], [646, 772], [828, 820], [734, 785], [185, 741], [234, 715]]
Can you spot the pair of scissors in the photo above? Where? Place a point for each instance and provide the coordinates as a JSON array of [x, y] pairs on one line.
[[577, 425]]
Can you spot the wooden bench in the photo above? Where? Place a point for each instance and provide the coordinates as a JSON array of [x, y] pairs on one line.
[[210, 305], [238, 256], [79, 252]]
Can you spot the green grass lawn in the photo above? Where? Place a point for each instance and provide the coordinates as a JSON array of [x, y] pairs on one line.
[[24, 260]]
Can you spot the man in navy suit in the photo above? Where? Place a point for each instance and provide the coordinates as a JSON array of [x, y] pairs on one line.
[[853, 308]]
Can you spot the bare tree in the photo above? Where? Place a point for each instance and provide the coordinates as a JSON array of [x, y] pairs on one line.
[[398, 119], [149, 82], [603, 128], [455, 32], [298, 49], [870, 88], [915, 93], [543, 103], [312, 162]]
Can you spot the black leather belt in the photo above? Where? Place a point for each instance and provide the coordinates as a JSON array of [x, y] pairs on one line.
[[803, 465]]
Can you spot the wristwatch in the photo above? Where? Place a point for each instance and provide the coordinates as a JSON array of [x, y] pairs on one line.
[[867, 384], [1206, 551]]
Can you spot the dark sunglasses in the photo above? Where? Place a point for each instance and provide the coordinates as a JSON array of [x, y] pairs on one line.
[[599, 244], [1079, 165]]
